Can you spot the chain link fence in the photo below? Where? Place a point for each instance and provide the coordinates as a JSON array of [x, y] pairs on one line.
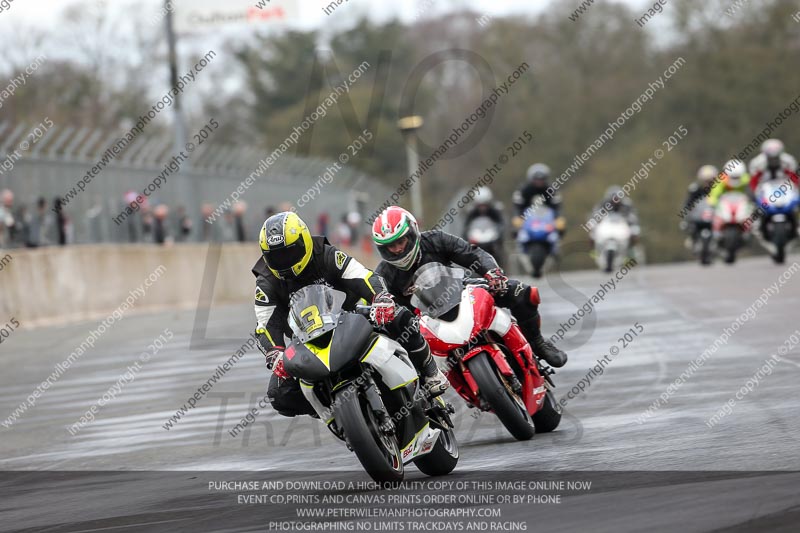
[[52, 164]]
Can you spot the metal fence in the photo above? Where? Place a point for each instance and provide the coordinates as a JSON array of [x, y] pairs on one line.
[[52, 165]]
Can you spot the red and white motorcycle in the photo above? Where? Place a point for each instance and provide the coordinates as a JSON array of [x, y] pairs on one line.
[[733, 218], [483, 352]]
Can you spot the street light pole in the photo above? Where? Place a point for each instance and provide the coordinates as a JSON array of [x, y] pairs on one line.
[[408, 127], [180, 127]]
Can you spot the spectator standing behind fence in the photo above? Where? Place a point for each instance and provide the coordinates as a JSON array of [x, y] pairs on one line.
[[21, 228], [8, 222], [228, 230], [61, 222], [161, 233], [354, 221], [39, 224], [184, 225], [210, 232], [343, 234], [147, 224], [239, 209]]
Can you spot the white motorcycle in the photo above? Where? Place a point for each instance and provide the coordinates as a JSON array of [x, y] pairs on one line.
[[612, 241], [485, 233]]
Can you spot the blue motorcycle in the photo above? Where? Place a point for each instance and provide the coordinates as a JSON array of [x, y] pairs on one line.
[[779, 202], [538, 237]]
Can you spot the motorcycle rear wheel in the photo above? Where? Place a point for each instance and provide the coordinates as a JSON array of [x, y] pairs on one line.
[[379, 454], [508, 407]]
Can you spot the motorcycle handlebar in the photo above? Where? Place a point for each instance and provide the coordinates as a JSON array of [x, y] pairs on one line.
[[363, 310], [474, 281]]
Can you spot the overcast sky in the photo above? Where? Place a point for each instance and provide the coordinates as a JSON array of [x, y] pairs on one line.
[[46, 12]]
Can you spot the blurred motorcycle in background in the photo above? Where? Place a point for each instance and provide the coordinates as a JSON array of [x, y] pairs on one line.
[[612, 242], [538, 239], [701, 232], [732, 221], [487, 234], [779, 202]]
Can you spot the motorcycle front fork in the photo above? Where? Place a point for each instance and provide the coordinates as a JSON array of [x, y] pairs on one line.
[[375, 403]]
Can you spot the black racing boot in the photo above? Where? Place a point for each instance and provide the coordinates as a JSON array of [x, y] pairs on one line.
[[433, 380], [548, 351], [542, 348]]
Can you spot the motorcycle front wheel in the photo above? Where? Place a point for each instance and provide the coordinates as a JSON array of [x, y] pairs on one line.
[[378, 453], [780, 236], [505, 403], [730, 243], [539, 253], [705, 250], [609, 266]]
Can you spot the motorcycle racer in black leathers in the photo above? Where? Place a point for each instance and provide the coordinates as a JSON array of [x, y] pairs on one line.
[[404, 249], [292, 259], [537, 184], [537, 191]]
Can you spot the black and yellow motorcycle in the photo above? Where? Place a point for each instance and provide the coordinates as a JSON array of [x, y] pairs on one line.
[[363, 385]]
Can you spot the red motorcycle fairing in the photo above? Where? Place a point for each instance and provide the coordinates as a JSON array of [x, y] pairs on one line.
[[478, 316], [482, 309]]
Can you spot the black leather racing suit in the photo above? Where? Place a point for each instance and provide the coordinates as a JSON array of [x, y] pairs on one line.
[[447, 249], [485, 210], [523, 197]]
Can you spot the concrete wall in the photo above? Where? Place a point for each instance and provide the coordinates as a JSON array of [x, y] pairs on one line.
[[88, 282]]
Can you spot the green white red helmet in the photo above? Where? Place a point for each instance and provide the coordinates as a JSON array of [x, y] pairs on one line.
[[392, 226]]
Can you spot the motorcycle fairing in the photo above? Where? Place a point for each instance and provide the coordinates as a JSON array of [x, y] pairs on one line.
[[733, 208], [475, 313], [420, 444], [539, 226], [323, 411], [391, 361], [315, 361]]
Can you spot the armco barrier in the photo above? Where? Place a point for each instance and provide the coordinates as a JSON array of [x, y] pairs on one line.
[[87, 282]]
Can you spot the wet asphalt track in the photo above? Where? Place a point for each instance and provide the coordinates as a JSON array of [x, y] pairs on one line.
[[668, 458]]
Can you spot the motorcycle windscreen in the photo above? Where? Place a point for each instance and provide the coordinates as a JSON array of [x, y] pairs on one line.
[[482, 230], [437, 289], [777, 195], [314, 311], [541, 214], [330, 354]]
